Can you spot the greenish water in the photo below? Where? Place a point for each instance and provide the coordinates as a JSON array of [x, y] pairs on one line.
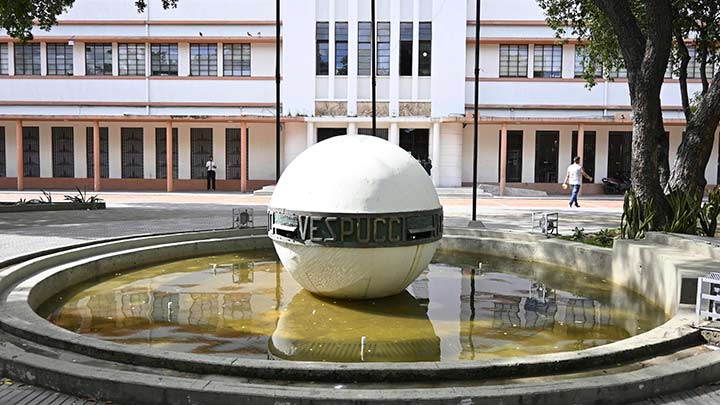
[[248, 305]]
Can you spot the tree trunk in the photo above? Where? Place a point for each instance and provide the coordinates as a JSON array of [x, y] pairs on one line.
[[663, 154], [688, 172]]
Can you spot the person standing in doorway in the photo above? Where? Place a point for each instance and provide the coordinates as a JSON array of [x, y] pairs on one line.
[[210, 166], [574, 176]]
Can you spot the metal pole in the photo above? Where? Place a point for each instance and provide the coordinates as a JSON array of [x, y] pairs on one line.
[[373, 43], [475, 114], [277, 90]]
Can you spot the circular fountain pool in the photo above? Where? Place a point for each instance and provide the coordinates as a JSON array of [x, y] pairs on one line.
[[464, 307]]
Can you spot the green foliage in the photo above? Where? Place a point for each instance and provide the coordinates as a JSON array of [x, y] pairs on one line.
[[46, 198], [83, 198], [685, 209], [709, 212], [19, 16], [578, 234], [636, 218], [605, 237]]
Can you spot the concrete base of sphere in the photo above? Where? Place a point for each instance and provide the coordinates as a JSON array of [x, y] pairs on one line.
[[355, 273]]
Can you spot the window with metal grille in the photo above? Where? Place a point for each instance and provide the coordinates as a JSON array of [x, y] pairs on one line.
[[547, 61], [513, 60], [200, 151], [381, 132], [98, 59], [364, 48], [3, 59], [63, 157], [383, 49], [425, 49], [131, 144], [164, 59], [3, 159], [203, 60], [31, 151], [581, 59], [236, 60], [161, 153], [694, 68], [406, 45], [131, 59], [27, 59], [233, 168], [322, 48], [59, 60], [341, 48], [104, 156]]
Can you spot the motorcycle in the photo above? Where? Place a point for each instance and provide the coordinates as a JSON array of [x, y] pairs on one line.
[[616, 185]]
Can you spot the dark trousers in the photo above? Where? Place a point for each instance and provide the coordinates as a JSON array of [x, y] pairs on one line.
[[574, 195], [211, 179]]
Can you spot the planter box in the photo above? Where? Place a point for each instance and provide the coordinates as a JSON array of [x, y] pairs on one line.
[[56, 206]]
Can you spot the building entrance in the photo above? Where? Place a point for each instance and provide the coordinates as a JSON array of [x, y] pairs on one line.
[[619, 153], [415, 141]]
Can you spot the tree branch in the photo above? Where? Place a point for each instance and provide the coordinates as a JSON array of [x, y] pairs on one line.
[[682, 73], [629, 35]]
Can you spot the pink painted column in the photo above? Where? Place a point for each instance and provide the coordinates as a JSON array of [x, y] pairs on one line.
[[20, 162], [503, 157], [169, 156], [243, 158], [96, 155]]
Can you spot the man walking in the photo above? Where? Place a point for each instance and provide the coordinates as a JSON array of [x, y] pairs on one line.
[[574, 176], [210, 166]]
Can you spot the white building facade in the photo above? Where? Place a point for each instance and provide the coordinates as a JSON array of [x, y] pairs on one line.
[[105, 86]]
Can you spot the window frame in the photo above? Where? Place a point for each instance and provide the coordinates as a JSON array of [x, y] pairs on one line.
[[547, 61], [22, 53], [158, 67], [322, 48], [406, 48], [4, 59], [341, 48], [203, 60], [138, 59], [580, 64], [237, 60], [520, 67], [59, 64], [92, 58], [425, 46], [364, 51]]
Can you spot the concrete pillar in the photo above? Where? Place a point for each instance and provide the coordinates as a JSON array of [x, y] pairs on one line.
[[169, 180], [20, 161], [243, 158], [311, 138], [352, 128], [503, 157], [435, 173], [394, 135], [96, 155]]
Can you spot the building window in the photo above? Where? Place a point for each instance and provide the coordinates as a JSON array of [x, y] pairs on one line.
[[327, 133], [131, 59], [203, 60], [513, 157], [693, 69], [27, 59], [513, 60], [236, 60], [380, 132], [200, 151], [425, 48], [383, 49], [547, 61], [322, 48], [63, 157], [3, 162], [59, 60], [581, 59], [233, 168], [619, 154], [341, 48], [131, 143], [104, 156], [161, 153], [98, 59], [406, 45], [546, 156], [618, 73], [364, 49], [31, 151], [588, 161], [3, 59], [416, 141], [164, 59]]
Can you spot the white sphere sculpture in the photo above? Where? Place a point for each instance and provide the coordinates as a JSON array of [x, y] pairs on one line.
[[355, 217]]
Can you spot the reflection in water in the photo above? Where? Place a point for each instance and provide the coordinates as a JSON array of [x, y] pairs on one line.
[[247, 305]]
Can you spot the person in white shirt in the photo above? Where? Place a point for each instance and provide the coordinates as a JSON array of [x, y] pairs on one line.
[[574, 176], [210, 166]]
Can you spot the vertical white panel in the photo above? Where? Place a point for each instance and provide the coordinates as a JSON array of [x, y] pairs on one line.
[[10, 151], [218, 150], [435, 153], [45, 150], [184, 169], [352, 58], [262, 152], [450, 155], [149, 155], [43, 59], [298, 87], [11, 59], [528, 159], [295, 141], [564, 150], [80, 150], [448, 44], [341, 10], [394, 80], [394, 135], [415, 48], [78, 58], [321, 11], [221, 59], [531, 60], [331, 51], [114, 152], [183, 59], [115, 59], [712, 167], [601, 153], [568, 61]]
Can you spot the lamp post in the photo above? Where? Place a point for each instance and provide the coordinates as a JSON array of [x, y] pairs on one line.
[[277, 90], [475, 109]]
